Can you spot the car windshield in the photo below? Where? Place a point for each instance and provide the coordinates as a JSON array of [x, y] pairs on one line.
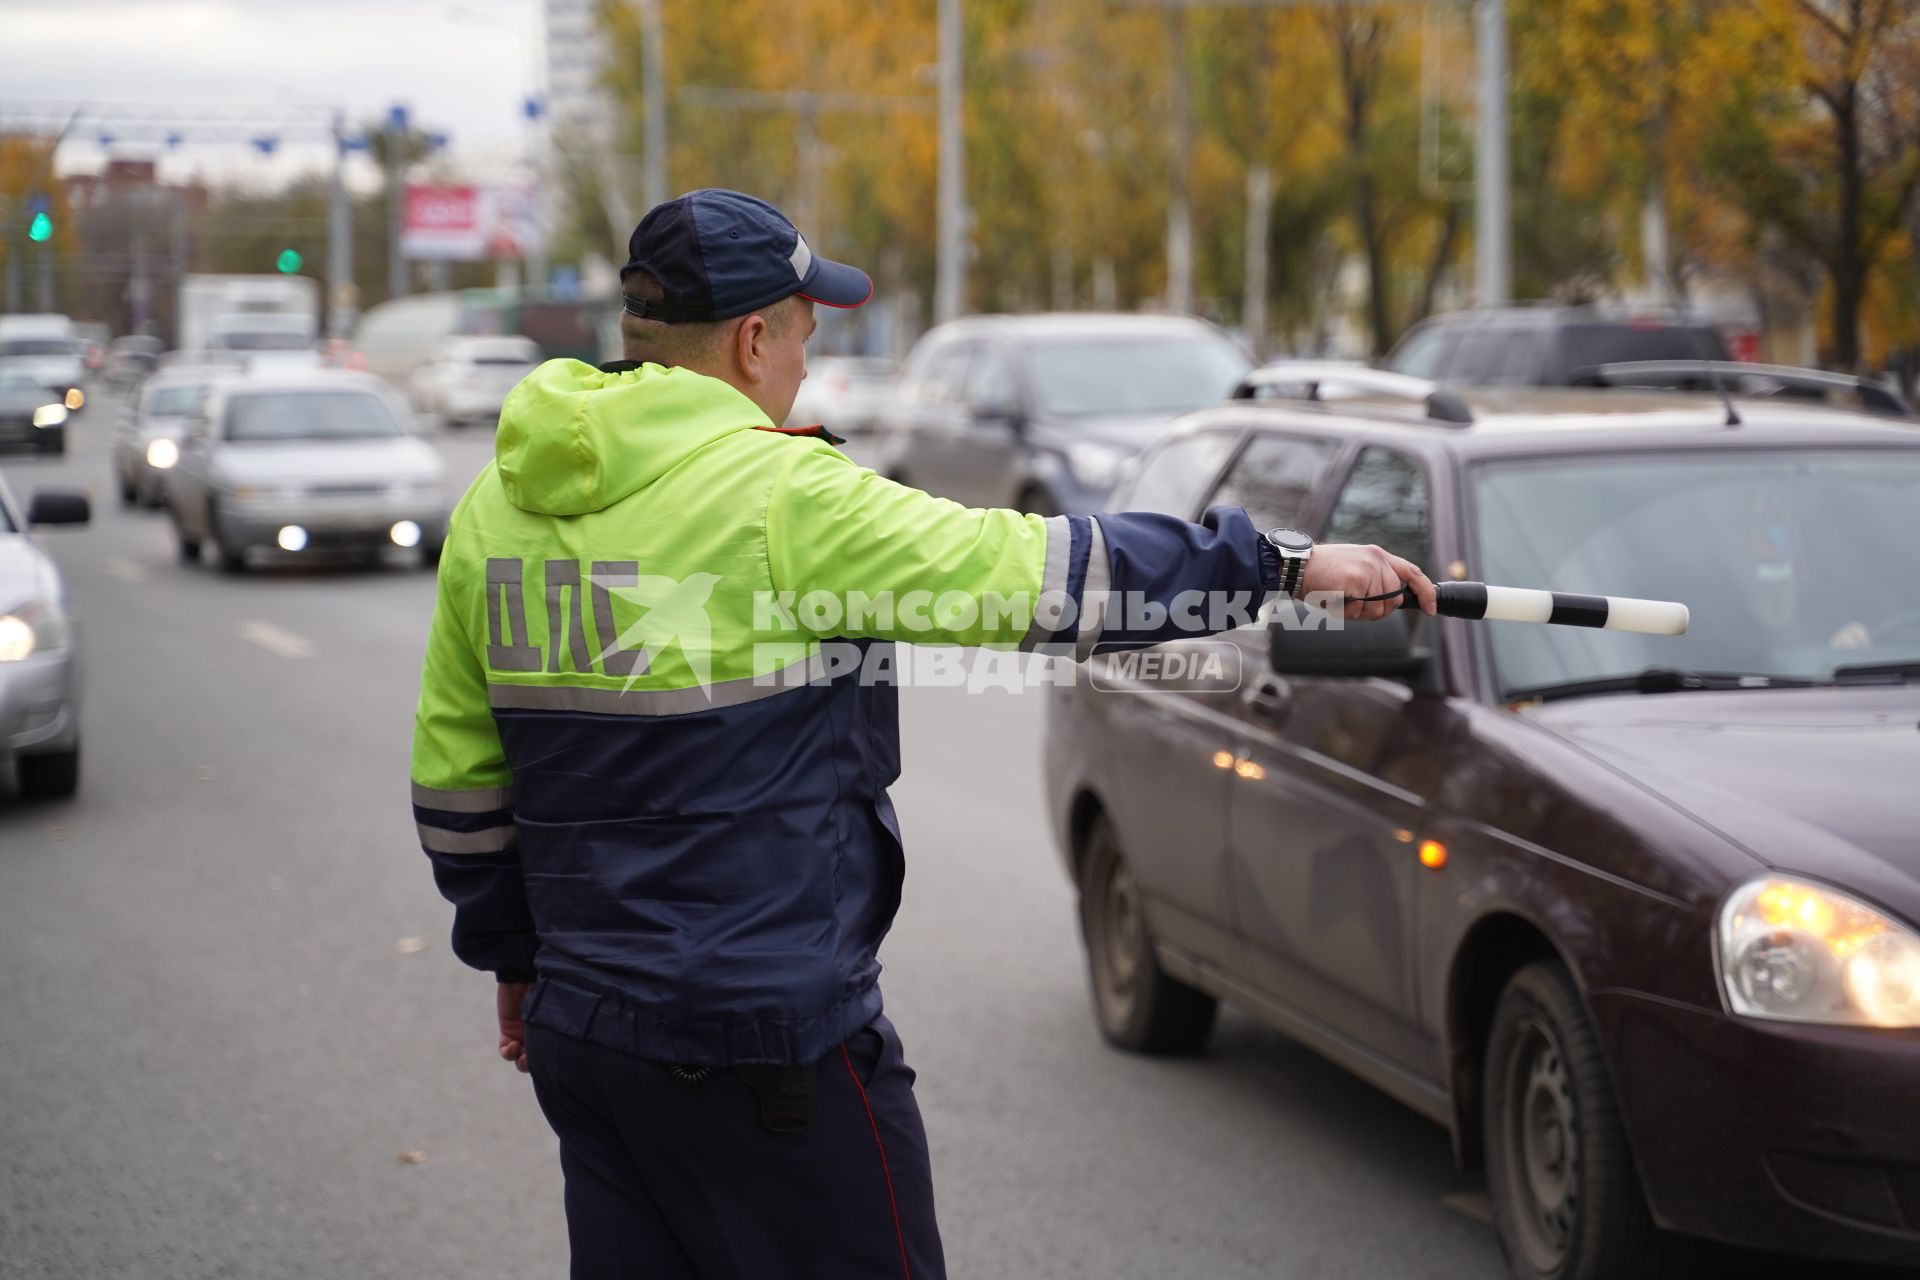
[[1089, 376], [256, 340], [174, 401], [36, 347], [1792, 563], [266, 417]]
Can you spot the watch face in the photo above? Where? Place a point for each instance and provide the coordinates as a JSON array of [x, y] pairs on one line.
[[1290, 540]]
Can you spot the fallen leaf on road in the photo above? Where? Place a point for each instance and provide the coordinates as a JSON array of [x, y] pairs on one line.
[[206, 773], [57, 832], [413, 1157], [412, 946]]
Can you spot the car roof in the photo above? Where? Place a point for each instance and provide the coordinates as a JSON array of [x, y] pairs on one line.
[[234, 382], [1532, 421], [1553, 316], [1074, 324]]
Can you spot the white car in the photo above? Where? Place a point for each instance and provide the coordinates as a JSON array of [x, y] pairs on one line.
[[146, 439], [304, 463], [844, 394], [39, 669], [469, 377]]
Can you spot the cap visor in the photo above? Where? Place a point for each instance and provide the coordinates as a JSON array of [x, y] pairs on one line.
[[835, 284]]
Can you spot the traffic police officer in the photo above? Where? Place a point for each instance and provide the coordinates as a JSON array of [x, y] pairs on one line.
[[657, 795]]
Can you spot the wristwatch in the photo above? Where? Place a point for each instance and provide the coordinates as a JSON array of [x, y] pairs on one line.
[[1295, 549]]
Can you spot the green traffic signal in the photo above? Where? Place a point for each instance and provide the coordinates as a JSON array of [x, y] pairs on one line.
[[40, 230], [288, 261]]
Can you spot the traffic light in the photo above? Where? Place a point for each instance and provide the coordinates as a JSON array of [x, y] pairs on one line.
[[40, 230], [288, 262]]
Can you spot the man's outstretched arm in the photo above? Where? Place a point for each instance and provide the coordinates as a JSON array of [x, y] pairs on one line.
[[1062, 583]]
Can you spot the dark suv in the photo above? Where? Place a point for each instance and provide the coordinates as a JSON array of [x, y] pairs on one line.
[[1544, 346], [1633, 916]]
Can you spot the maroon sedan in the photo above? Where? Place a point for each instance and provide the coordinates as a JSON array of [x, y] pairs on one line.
[[1633, 916]]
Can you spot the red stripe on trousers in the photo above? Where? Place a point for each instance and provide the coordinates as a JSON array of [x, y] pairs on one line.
[[884, 1170]]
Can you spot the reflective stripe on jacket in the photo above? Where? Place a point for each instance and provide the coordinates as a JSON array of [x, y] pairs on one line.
[[646, 767]]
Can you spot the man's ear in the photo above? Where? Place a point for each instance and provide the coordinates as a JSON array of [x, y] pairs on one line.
[[750, 347]]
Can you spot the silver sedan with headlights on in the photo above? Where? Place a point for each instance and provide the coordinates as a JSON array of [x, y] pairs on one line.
[[30, 414], [147, 437], [39, 669], [305, 462]]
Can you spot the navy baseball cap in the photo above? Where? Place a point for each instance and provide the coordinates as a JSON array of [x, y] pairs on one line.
[[720, 254]]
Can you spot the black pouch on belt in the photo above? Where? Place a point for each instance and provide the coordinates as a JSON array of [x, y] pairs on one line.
[[786, 1096]]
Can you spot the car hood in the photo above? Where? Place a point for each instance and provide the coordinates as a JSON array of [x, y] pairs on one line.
[[1129, 433], [63, 371], [321, 463], [25, 574], [16, 402], [1817, 781]]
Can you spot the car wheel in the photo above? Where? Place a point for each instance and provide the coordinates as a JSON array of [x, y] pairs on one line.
[[129, 493], [1137, 1005], [1036, 501], [189, 546], [430, 554], [52, 776], [232, 559], [1567, 1201]]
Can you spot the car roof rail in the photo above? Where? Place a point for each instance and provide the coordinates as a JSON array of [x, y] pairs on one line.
[[1875, 397], [1305, 380]]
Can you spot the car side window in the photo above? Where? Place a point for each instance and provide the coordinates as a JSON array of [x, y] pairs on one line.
[[1477, 358], [1385, 501], [1519, 363], [1174, 477], [1275, 479], [1424, 354], [991, 392], [944, 373]]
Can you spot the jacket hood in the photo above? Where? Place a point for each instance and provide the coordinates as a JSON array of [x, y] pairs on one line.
[[575, 439]]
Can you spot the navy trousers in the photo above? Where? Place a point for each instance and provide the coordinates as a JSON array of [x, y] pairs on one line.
[[672, 1175]]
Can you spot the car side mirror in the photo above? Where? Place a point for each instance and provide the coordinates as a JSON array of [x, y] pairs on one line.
[[55, 506], [1305, 641]]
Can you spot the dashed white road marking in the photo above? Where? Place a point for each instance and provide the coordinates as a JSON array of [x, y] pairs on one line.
[[124, 569], [276, 639]]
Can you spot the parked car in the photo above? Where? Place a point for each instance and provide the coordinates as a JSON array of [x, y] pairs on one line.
[[844, 394], [1045, 412], [1545, 346], [39, 662], [147, 438], [132, 358], [468, 378], [46, 348], [304, 463], [30, 414], [1633, 916]]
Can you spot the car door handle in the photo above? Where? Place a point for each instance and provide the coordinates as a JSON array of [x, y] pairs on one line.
[[1268, 697]]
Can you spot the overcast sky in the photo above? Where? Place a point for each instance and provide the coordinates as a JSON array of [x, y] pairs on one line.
[[463, 66]]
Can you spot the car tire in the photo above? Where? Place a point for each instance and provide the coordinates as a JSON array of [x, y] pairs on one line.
[[129, 493], [232, 559], [1136, 1004], [53, 776], [430, 554], [186, 543], [1567, 1201]]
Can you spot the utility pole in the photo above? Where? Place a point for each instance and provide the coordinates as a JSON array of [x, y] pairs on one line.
[[396, 200], [340, 299], [1493, 221], [653, 66], [950, 274], [1180, 165]]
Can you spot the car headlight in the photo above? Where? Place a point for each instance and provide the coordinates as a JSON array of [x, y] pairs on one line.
[[32, 628], [1095, 465], [49, 415], [1801, 952], [162, 453]]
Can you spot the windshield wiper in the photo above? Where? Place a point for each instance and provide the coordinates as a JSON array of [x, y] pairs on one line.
[[1877, 672], [1660, 680]]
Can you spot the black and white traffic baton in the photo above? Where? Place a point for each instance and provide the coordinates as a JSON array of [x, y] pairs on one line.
[[1478, 601]]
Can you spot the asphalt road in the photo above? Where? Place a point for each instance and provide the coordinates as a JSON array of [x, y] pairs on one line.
[[233, 1042]]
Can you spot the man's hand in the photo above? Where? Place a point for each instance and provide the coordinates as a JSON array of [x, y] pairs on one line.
[[1354, 571], [513, 1028]]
